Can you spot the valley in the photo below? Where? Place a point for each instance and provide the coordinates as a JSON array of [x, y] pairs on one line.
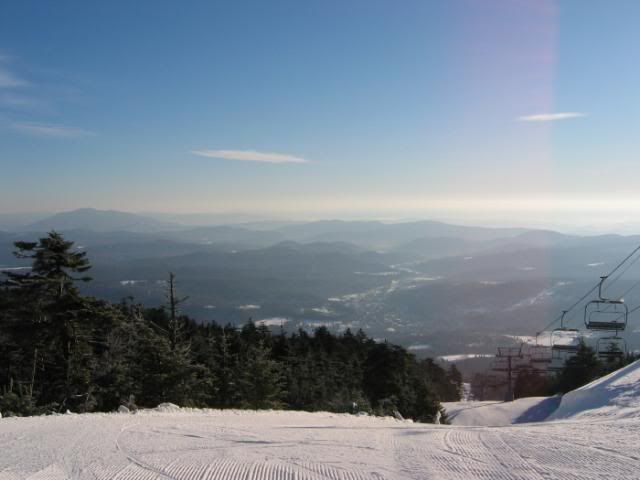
[[436, 288]]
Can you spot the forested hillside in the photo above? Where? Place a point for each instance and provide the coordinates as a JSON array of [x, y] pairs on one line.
[[60, 350]]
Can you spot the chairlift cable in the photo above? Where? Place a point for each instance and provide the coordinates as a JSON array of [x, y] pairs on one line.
[[613, 281], [627, 291], [635, 309], [598, 286], [559, 317], [594, 288]]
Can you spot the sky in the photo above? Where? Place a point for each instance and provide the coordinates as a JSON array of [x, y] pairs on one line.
[[497, 109]]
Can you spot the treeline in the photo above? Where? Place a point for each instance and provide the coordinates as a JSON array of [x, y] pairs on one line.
[[60, 350]]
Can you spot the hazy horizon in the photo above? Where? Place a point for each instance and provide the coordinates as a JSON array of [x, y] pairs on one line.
[[623, 226]]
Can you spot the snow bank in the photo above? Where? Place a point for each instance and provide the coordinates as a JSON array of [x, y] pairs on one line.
[[167, 408], [523, 410], [454, 408], [616, 395]]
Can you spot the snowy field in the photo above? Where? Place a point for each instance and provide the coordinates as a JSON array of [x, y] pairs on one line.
[[596, 435]]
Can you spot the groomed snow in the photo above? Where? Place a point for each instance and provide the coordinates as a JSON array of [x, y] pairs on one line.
[[523, 410], [616, 395], [597, 437], [231, 445]]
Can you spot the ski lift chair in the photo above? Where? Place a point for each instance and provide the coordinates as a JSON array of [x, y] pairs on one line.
[[539, 355], [562, 349], [605, 314]]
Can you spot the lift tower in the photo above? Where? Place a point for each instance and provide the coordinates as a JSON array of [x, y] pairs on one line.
[[509, 353]]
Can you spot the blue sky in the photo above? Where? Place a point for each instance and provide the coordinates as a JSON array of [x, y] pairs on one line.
[[465, 108]]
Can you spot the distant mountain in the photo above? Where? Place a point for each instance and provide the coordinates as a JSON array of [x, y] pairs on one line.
[[241, 238], [311, 230], [99, 221], [531, 239], [322, 247], [253, 222], [428, 238], [438, 247], [577, 258], [453, 288], [383, 236]]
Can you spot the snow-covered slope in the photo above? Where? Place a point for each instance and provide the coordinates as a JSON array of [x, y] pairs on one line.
[[233, 445], [523, 410], [596, 434], [616, 395]]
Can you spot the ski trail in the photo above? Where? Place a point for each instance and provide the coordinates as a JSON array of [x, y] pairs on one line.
[[226, 445]]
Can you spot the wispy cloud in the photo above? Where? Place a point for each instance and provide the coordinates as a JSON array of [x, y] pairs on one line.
[[8, 79], [250, 156], [18, 95], [550, 117], [10, 99], [51, 130]]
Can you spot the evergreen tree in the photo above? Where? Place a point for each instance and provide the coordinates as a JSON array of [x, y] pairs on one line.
[[46, 301], [226, 354], [454, 377], [530, 383], [578, 370], [260, 378], [614, 356], [54, 263], [386, 372]]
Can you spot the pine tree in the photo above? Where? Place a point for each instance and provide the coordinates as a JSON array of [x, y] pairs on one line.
[[385, 377], [454, 383], [530, 383], [260, 379], [226, 352], [579, 370], [46, 301], [54, 263]]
